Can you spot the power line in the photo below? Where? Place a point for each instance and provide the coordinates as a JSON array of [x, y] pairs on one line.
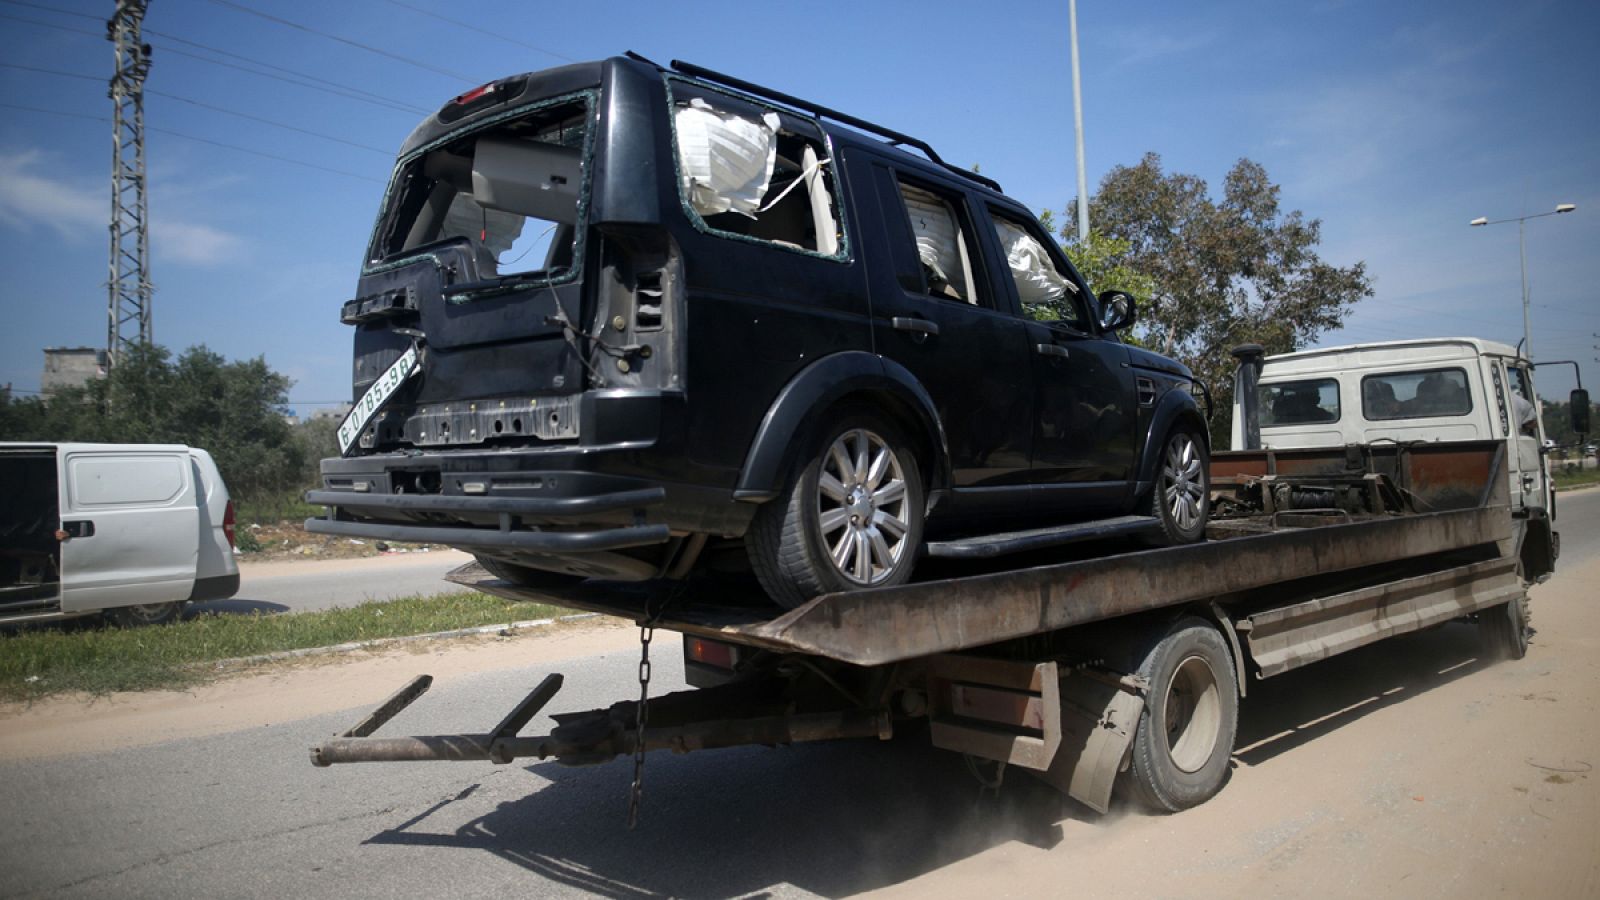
[[189, 137], [204, 105], [299, 79], [346, 41], [484, 31]]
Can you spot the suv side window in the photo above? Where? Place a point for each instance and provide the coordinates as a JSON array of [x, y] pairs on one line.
[[944, 244], [1047, 293], [752, 173]]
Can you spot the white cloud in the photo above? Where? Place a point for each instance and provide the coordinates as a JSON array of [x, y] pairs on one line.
[[79, 210], [29, 200], [191, 243]]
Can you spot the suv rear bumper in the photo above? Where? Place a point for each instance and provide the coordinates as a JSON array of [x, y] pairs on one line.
[[509, 513]]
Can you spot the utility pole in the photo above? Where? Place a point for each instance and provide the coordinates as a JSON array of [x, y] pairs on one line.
[[1077, 127], [128, 308]]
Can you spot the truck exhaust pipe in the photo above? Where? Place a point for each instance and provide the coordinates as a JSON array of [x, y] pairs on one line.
[[1245, 379]]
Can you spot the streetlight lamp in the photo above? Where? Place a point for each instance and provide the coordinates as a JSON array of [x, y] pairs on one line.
[[1522, 244]]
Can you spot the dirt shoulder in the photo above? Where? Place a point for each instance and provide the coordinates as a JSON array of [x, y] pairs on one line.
[[283, 692]]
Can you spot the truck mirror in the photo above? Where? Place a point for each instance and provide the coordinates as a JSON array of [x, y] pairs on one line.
[[1580, 411]]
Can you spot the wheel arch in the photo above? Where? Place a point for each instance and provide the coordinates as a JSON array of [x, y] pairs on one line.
[[1176, 407], [837, 379]]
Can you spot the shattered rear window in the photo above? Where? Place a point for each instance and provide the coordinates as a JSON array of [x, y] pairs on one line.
[[516, 189], [746, 171]]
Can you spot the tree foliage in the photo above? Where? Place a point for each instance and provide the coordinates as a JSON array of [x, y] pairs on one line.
[[234, 410], [1218, 272]]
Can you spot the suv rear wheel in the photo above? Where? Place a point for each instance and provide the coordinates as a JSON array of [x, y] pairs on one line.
[[851, 516]]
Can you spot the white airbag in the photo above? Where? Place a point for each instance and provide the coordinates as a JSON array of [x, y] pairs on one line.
[[726, 160], [1036, 276]]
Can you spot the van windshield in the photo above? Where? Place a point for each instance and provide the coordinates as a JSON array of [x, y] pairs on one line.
[[514, 189]]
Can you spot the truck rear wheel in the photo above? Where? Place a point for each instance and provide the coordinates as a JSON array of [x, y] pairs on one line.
[[1190, 718], [1504, 629]]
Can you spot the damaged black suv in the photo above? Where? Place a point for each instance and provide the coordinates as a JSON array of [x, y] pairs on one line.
[[618, 320]]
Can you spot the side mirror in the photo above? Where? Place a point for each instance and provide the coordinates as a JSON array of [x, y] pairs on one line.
[[1118, 309], [1579, 408]]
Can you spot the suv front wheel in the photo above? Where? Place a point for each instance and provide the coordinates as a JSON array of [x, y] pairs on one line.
[[851, 516], [1181, 499]]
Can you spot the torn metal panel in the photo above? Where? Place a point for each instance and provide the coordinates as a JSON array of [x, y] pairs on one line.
[[1098, 720]]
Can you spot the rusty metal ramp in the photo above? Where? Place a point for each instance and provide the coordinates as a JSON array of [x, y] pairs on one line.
[[885, 625]]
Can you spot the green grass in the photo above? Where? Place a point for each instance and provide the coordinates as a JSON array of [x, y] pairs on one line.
[[36, 662], [1577, 478], [270, 510]]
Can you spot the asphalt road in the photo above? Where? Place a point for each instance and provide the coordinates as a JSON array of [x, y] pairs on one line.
[[306, 585], [244, 814]]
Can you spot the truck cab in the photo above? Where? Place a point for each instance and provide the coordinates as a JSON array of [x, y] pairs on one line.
[[1426, 390]]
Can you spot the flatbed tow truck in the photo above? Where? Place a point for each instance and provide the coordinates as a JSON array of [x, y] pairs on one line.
[[1089, 672]]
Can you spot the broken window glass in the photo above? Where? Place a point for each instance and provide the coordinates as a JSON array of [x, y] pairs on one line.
[[512, 190], [748, 172]]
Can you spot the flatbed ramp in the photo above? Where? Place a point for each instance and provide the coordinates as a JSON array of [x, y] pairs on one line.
[[887, 625]]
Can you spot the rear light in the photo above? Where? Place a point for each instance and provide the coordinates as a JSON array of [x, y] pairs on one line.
[[710, 653], [474, 94], [228, 523]]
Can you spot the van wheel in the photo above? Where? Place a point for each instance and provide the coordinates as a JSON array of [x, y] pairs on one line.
[[1504, 630], [851, 516], [149, 614], [1180, 752], [1181, 498]]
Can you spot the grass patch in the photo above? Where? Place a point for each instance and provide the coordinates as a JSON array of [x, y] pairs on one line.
[[1575, 478], [274, 509], [36, 662]]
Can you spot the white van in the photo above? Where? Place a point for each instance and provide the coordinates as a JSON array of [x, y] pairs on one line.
[[133, 531], [1432, 389]]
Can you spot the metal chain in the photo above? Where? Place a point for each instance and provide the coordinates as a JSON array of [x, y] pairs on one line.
[[646, 633]]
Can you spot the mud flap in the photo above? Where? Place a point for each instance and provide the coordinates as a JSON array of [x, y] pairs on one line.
[[1099, 716]]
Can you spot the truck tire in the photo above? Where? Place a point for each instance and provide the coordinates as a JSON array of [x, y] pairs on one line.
[[1185, 737], [1504, 630], [1181, 497], [138, 616], [850, 516]]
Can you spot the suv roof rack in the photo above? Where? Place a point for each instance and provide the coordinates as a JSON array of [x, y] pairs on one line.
[[823, 111]]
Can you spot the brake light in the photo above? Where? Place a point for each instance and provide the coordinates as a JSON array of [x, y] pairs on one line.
[[228, 523], [474, 94]]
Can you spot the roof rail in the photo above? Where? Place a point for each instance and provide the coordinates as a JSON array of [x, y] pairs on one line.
[[823, 111]]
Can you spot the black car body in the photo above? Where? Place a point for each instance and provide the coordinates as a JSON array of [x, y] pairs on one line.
[[662, 375]]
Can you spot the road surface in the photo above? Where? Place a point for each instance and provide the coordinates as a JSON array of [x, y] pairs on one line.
[[306, 585], [1412, 768]]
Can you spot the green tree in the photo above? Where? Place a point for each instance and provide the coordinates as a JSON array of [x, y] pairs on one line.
[[234, 410], [1222, 272]]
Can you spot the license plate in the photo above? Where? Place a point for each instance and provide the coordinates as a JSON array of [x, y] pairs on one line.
[[377, 395]]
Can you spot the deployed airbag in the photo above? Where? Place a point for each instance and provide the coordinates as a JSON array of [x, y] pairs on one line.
[[726, 160], [1038, 282]]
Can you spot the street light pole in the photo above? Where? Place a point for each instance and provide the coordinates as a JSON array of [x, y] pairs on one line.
[[1522, 249], [1077, 123]]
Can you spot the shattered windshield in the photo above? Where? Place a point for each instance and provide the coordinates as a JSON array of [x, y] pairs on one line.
[[513, 189]]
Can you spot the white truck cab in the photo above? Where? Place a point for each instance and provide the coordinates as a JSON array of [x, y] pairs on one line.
[[1432, 389], [131, 530]]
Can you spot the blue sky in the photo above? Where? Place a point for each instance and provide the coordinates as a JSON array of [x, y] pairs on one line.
[[1395, 124]]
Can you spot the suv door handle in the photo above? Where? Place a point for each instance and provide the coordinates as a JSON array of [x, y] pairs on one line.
[[81, 528], [1050, 350], [913, 325]]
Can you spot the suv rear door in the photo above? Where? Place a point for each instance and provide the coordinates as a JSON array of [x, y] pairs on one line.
[[936, 311]]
